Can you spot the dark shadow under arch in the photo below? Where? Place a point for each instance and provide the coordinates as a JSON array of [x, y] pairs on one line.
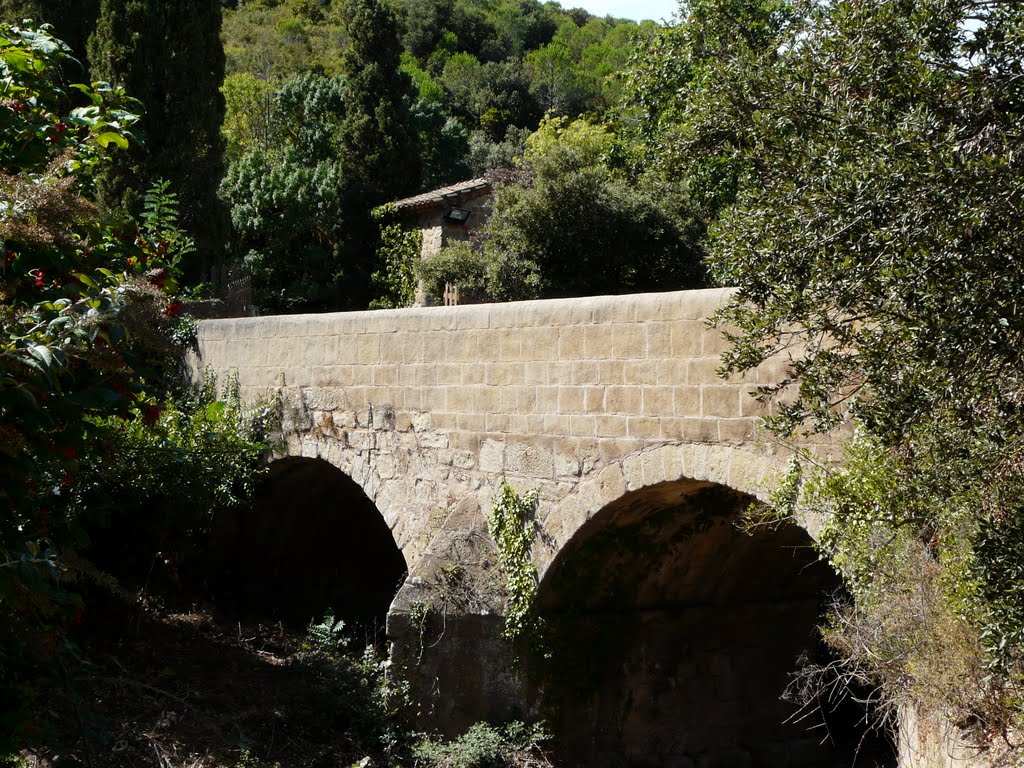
[[313, 541], [674, 634]]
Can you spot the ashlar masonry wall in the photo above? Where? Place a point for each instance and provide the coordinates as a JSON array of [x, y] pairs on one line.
[[428, 409], [426, 406]]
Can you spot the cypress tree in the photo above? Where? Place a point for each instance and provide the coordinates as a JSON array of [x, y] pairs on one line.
[[168, 54], [379, 148]]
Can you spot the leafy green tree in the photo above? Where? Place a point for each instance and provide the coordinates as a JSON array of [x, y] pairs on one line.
[[875, 236], [720, 40], [490, 96], [250, 115], [287, 204], [288, 229], [168, 55], [580, 227], [556, 81]]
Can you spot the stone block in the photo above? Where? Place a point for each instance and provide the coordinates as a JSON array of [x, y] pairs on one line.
[[497, 422], [468, 442], [445, 422], [463, 346], [492, 456], [567, 462], [532, 459], [554, 424], [535, 373], [471, 422], [412, 347], [448, 373], [715, 342], [539, 343], [644, 372], [498, 374], [585, 372], [254, 352], [582, 426], [721, 401], [643, 427], [474, 374], [385, 375], [521, 424], [658, 401], [459, 318], [611, 426], [489, 399], [597, 341], [628, 342], [750, 406], [632, 472], [570, 400], [709, 462], [703, 371], [772, 371], [509, 346], [736, 430], [610, 372], [608, 309], [612, 450], [546, 399], [659, 339], [560, 372], [460, 399], [582, 312], [342, 350], [699, 430], [320, 375], [626, 400], [432, 346], [433, 439], [571, 343], [368, 349], [687, 339], [686, 401], [611, 484], [593, 400]]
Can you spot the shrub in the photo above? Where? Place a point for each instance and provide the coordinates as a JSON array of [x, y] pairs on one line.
[[459, 264]]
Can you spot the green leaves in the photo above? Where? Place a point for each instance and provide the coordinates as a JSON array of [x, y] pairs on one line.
[[874, 232], [511, 525]]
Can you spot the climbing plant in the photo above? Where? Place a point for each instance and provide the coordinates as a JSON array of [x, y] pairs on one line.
[[512, 526], [395, 282]]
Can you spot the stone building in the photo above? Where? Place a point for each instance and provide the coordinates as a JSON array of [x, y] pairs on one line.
[[447, 215]]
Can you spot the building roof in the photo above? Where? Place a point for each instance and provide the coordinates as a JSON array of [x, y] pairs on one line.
[[444, 196]]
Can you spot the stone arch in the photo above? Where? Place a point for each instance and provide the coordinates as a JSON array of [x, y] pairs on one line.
[[313, 541], [743, 471], [673, 633]]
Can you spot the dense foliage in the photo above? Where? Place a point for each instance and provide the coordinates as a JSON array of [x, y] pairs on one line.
[[87, 356], [72, 20], [863, 158], [572, 221], [167, 55], [445, 91]]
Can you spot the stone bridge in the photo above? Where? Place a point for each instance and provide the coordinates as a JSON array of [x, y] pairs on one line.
[[671, 631]]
